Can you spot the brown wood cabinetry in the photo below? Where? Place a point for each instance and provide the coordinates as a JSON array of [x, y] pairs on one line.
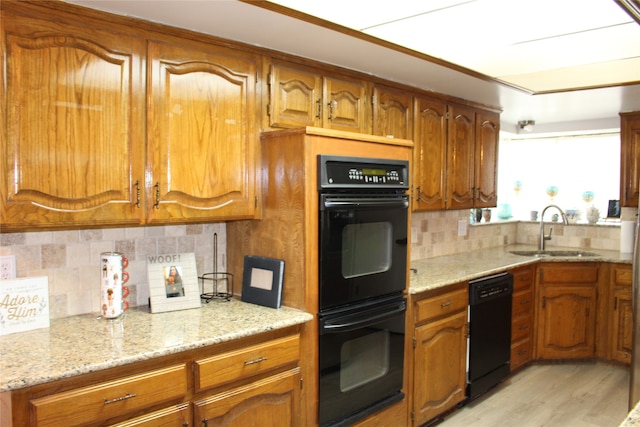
[[630, 159], [522, 316], [566, 316], [392, 113], [202, 147], [456, 149], [73, 139], [621, 328], [440, 349], [254, 382], [79, 149], [301, 96], [429, 154]]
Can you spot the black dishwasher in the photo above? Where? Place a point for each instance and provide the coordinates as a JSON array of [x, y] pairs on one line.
[[489, 346]]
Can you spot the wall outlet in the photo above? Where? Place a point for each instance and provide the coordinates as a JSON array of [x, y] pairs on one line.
[[462, 227], [7, 267]]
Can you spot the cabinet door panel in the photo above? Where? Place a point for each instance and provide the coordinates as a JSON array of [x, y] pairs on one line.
[[460, 157], [622, 326], [347, 108], [486, 157], [295, 97], [439, 367], [429, 155], [392, 113], [201, 140], [271, 402], [567, 321], [630, 159], [74, 149]]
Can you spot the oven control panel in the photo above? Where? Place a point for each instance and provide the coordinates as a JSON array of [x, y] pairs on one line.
[[356, 172]]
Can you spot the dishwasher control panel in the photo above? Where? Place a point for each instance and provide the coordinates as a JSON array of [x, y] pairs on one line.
[[488, 288]]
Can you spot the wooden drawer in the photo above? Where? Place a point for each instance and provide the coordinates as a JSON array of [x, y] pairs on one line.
[[177, 415], [520, 354], [568, 273], [520, 328], [622, 275], [521, 304], [246, 362], [110, 399], [441, 305], [522, 279]]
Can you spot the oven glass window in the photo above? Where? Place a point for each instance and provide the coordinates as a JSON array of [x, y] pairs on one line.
[[363, 360], [366, 249]]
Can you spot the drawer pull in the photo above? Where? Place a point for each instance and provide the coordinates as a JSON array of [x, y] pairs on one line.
[[526, 301], [120, 399], [523, 327], [446, 304], [253, 362]]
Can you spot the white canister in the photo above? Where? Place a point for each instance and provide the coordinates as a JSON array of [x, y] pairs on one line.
[[113, 277]]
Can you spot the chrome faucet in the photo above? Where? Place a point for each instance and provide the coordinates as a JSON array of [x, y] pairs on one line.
[[544, 238]]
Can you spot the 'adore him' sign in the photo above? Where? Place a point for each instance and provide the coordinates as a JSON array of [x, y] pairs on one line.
[[24, 304]]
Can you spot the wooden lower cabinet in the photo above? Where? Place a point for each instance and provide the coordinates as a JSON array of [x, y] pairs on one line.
[[439, 358], [271, 402], [566, 320], [621, 332], [259, 384], [522, 316]]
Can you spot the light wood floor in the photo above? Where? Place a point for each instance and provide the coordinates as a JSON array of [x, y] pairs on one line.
[[551, 395]]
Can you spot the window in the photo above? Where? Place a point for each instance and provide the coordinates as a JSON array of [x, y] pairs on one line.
[[573, 164]]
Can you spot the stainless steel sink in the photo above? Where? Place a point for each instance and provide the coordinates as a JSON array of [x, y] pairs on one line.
[[567, 253]]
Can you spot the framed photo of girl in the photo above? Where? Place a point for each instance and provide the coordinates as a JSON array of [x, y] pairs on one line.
[[173, 282]]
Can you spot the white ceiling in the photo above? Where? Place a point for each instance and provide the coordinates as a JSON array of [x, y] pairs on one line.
[[507, 40]]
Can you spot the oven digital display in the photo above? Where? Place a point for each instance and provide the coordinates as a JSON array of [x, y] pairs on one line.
[[374, 172]]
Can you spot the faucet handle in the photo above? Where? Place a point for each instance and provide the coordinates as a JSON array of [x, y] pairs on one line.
[[548, 237]]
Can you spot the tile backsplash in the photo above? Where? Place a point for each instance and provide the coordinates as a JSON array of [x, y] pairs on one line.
[[71, 259]]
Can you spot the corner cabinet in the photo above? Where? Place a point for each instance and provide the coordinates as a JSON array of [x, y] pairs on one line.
[[440, 350], [73, 143], [455, 156], [301, 96], [566, 316], [202, 146], [630, 159]]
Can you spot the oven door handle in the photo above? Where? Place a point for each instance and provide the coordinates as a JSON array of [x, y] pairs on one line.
[[349, 323], [330, 203]]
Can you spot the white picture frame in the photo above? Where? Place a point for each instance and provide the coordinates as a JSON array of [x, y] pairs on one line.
[[24, 304], [173, 282]]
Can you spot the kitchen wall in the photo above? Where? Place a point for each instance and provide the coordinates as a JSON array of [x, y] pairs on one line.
[[436, 234], [71, 259]]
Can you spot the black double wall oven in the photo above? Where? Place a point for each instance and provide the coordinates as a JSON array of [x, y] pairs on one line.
[[363, 217]]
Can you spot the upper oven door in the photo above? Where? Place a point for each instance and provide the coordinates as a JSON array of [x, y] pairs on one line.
[[363, 247]]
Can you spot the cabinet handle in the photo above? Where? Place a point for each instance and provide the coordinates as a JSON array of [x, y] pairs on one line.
[[521, 352], [137, 184], [157, 203], [319, 108], [331, 110], [523, 327], [253, 362], [205, 422], [446, 304], [524, 302], [119, 399]]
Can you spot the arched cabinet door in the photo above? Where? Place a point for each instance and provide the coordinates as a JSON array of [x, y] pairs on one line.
[[72, 144], [201, 143]]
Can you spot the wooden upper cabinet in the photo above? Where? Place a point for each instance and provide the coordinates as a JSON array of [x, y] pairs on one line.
[[392, 113], [201, 142], [630, 159], [429, 154], [301, 96], [461, 157], [296, 97], [486, 159], [72, 144]]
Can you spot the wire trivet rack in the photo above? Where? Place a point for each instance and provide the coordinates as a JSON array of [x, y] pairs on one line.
[[216, 285]]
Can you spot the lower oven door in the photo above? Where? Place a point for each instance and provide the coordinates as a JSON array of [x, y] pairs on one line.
[[361, 360]]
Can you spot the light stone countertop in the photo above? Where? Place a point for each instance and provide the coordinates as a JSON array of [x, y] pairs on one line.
[[633, 419], [433, 273], [82, 344]]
